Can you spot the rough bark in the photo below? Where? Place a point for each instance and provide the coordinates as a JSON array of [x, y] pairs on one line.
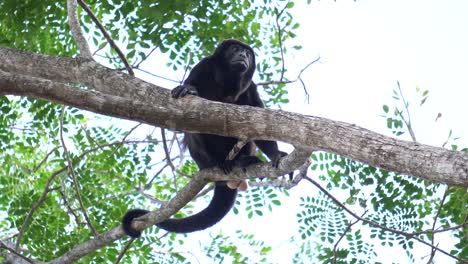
[[115, 94]]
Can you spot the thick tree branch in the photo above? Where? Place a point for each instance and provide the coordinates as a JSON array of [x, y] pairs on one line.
[[127, 97], [151, 104]]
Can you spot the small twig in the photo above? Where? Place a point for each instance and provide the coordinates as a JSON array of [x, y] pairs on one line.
[[280, 40], [442, 230], [298, 78], [146, 57], [435, 222], [67, 205], [236, 148], [13, 251], [156, 175], [290, 81], [98, 50], [47, 188], [72, 172], [75, 28], [107, 36], [168, 158], [150, 197], [33, 210], [204, 191], [125, 138], [343, 235], [157, 76], [124, 250], [45, 159], [186, 69], [9, 236], [407, 123], [371, 223], [166, 149]]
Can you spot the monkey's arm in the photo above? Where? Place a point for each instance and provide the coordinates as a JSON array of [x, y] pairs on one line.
[[197, 82]]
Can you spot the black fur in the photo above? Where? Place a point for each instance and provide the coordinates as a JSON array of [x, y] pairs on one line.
[[225, 76]]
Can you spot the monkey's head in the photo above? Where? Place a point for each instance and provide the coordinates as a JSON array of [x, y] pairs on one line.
[[237, 57]]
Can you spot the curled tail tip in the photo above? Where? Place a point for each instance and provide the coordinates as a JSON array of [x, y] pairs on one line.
[[127, 222]]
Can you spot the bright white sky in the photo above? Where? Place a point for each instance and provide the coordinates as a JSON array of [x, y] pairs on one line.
[[365, 48]]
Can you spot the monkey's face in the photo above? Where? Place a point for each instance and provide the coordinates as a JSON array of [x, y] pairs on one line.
[[238, 58]]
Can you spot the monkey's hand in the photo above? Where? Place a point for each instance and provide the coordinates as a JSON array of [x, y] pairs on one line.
[[275, 162], [183, 90], [242, 162]]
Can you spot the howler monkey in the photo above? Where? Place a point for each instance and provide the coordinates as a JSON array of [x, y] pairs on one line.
[[225, 76]]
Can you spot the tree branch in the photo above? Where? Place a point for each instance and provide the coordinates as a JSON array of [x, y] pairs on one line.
[[189, 191], [75, 28], [123, 96], [72, 173], [107, 36], [371, 223]]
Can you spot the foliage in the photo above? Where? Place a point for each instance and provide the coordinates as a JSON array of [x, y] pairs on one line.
[[120, 165], [223, 250]]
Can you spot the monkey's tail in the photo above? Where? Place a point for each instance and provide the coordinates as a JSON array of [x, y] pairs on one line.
[[221, 203]]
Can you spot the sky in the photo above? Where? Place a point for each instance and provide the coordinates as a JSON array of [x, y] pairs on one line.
[[365, 48]]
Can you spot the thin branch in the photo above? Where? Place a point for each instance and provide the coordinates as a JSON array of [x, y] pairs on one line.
[[13, 251], [9, 236], [236, 148], [371, 223], [343, 235], [45, 159], [186, 69], [193, 187], [33, 209], [124, 250], [76, 31], [72, 172], [47, 188], [204, 191], [98, 50], [158, 76], [156, 175], [290, 81], [124, 139], [280, 40], [166, 149], [407, 123], [298, 78], [146, 57], [465, 224], [285, 183], [107, 36], [435, 222], [69, 209]]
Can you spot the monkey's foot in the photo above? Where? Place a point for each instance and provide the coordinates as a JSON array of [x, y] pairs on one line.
[[242, 185]]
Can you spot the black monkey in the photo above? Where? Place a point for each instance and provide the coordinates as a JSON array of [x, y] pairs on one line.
[[225, 76]]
